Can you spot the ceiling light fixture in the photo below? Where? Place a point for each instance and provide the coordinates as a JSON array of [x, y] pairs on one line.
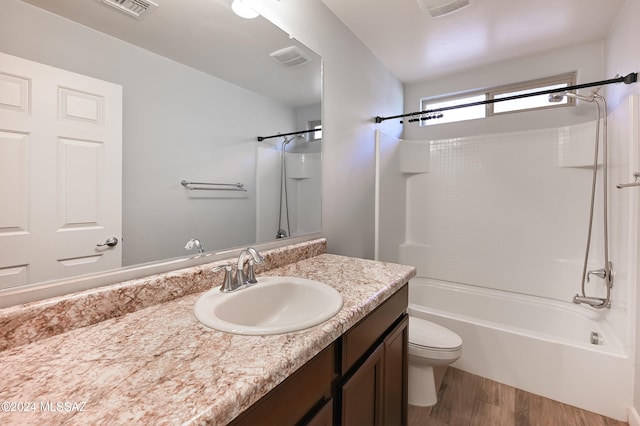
[[242, 10]]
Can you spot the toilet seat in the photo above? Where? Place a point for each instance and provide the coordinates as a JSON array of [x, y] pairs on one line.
[[428, 336]]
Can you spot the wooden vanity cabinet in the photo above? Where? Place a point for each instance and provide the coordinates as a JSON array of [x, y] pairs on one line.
[[374, 388], [299, 398], [323, 417], [360, 379], [362, 393], [396, 374]]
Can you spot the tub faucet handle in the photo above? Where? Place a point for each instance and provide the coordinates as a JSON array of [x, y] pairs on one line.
[[600, 273]]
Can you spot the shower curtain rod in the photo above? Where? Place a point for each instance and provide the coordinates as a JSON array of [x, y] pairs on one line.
[[628, 79], [261, 138]]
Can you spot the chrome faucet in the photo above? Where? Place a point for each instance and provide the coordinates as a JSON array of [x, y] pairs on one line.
[[242, 278], [194, 242], [250, 276]]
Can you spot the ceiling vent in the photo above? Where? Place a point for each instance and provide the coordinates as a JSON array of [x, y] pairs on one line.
[[291, 56], [437, 8], [135, 8]]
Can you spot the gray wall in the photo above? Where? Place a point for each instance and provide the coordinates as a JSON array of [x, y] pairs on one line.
[[179, 123]]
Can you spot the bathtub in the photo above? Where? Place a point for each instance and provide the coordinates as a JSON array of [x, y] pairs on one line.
[[539, 345]]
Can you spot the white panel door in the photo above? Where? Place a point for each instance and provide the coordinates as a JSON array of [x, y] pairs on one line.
[[60, 173]]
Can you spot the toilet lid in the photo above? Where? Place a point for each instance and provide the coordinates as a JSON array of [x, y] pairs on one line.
[[428, 334]]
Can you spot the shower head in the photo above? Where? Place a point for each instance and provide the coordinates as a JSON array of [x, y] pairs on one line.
[[556, 97], [286, 141]]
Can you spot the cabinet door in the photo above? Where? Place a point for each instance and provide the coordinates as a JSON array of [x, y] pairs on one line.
[[362, 402], [324, 417], [396, 377], [294, 398]]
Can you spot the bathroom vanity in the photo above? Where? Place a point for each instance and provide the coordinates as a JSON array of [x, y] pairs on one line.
[[359, 379], [159, 365]]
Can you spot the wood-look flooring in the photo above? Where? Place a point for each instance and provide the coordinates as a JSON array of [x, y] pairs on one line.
[[465, 399]]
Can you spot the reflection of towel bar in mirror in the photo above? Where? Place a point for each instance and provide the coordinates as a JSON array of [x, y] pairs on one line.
[[213, 186]]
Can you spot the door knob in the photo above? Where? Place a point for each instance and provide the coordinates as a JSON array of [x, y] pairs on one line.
[[111, 241]]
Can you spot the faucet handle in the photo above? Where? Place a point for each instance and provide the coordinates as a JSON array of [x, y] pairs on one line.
[[600, 273], [256, 259], [227, 284], [251, 273]]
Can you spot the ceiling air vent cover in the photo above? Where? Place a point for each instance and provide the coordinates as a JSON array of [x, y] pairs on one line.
[[437, 8], [291, 56], [135, 8]]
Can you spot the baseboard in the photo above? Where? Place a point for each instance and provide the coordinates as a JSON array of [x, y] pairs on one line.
[[634, 418]]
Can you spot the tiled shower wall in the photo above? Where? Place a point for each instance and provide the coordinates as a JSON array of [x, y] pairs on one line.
[[509, 211]]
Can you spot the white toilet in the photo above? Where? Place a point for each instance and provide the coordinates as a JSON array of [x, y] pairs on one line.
[[430, 345]]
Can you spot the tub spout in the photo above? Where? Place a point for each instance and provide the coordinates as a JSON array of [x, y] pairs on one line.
[[596, 302]]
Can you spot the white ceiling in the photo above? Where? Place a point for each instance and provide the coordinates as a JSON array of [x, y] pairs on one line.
[[208, 36], [417, 47]]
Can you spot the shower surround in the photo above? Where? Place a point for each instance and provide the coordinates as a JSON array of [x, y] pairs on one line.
[[508, 213], [303, 188]]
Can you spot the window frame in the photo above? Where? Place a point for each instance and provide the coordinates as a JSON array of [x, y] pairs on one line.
[[569, 79], [490, 93]]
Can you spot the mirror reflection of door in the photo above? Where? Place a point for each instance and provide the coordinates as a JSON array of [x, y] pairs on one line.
[[194, 107], [60, 173]]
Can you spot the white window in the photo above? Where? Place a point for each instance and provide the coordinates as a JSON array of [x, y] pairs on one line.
[[460, 114], [317, 134], [502, 107]]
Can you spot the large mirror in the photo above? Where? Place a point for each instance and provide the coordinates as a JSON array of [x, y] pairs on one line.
[[198, 86]]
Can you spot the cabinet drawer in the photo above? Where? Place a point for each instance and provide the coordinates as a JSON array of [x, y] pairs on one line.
[[292, 399], [357, 341]]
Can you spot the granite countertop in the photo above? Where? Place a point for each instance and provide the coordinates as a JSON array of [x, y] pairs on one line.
[[159, 365]]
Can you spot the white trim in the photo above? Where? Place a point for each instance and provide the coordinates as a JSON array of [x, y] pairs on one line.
[[633, 416], [376, 208]]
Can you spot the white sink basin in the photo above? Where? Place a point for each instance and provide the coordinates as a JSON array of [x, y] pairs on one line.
[[274, 305]]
